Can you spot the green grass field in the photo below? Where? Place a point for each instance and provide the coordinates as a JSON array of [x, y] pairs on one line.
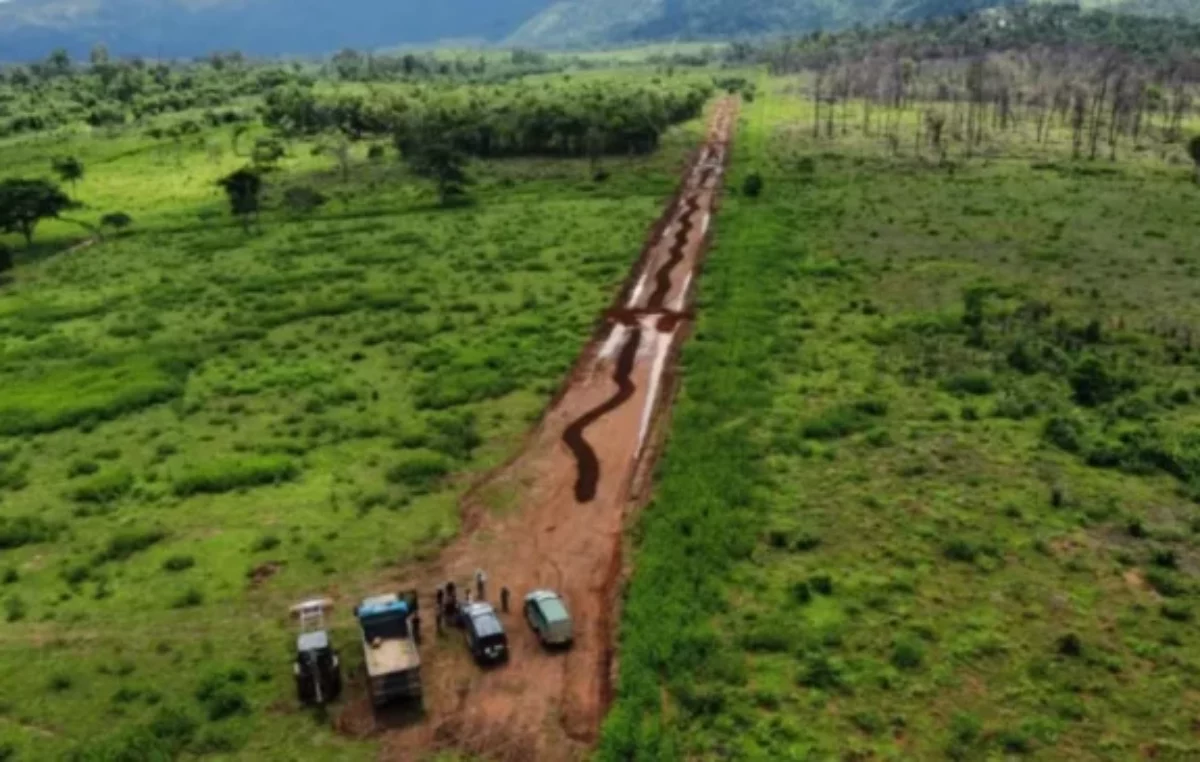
[[932, 486], [200, 426]]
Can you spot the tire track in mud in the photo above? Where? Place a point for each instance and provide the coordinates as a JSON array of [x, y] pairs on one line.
[[588, 464], [662, 285]]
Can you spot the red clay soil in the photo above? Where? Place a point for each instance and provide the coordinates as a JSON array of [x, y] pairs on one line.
[[570, 494]]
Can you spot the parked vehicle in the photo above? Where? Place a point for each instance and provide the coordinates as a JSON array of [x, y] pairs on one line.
[[549, 618], [485, 633], [391, 656], [317, 668]]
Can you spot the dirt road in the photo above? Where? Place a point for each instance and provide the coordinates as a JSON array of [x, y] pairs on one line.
[[571, 490]]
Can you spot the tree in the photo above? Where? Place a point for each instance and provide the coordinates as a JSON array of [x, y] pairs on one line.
[[6, 258], [25, 203], [118, 221], [69, 168], [1194, 152], [244, 189], [437, 158]]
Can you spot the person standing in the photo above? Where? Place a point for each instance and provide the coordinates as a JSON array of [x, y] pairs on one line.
[[416, 628], [504, 599], [481, 584]]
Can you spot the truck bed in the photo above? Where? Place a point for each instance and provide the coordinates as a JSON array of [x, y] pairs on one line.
[[391, 656]]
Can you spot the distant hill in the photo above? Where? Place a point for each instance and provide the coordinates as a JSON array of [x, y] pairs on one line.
[[180, 28], [570, 23], [183, 28]]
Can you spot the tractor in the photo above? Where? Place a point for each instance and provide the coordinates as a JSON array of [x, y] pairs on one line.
[[317, 668]]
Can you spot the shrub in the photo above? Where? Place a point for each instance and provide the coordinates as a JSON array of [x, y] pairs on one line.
[[773, 635], [821, 583], [178, 563], [821, 672], [753, 185], [226, 702], [14, 609], [975, 383], [60, 682], [26, 530], [419, 469], [190, 598], [265, 543], [230, 474], [800, 592], [1069, 645], [907, 653], [1093, 383], [1176, 611], [10, 576], [103, 488], [173, 726], [835, 423], [125, 544], [1164, 557], [960, 550], [82, 468], [806, 542], [220, 696], [1165, 582]]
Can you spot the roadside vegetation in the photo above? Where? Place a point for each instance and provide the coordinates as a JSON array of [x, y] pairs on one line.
[[242, 365], [952, 512]]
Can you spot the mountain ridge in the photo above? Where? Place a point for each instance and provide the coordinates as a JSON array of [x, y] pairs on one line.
[[29, 29]]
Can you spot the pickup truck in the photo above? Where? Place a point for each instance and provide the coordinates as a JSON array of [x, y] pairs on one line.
[[392, 660]]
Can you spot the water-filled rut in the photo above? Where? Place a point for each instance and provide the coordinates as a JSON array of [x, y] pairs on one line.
[[587, 464]]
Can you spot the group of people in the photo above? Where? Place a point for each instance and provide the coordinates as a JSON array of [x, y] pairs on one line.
[[448, 609]]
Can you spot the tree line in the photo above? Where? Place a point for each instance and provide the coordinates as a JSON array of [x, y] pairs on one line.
[[568, 119]]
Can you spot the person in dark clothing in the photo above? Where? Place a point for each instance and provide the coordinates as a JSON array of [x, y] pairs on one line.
[[480, 585], [416, 628], [504, 599]]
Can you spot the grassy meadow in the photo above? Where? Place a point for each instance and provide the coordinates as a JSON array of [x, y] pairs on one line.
[[200, 426], [931, 489]]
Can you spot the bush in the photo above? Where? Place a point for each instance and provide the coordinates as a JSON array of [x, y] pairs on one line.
[[907, 653], [190, 598], [820, 672], [220, 696], [265, 543], [82, 468], [1166, 583], [60, 683], [230, 474], [835, 423], [821, 583], [14, 609], [1176, 611], [800, 592], [26, 530], [420, 469], [753, 185], [974, 383], [1094, 385], [1064, 433], [173, 726], [125, 544], [1069, 645], [104, 488], [11, 576], [960, 550], [178, 563]]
